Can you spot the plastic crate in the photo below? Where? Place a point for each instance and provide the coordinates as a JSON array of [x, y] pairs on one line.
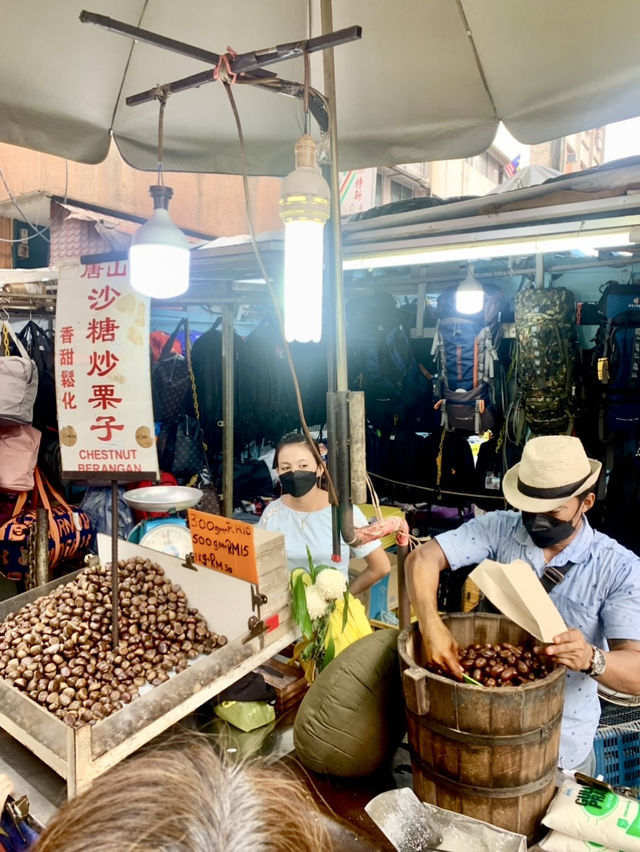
[[617, 749]]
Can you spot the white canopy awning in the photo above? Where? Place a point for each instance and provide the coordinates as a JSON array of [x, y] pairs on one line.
[[430, 79]]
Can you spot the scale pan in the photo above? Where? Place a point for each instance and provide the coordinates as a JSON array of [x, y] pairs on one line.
[[163, 498]]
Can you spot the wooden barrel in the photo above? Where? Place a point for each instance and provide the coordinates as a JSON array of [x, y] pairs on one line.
[[489, 753]]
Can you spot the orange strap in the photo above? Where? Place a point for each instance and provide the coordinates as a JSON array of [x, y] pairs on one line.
[[42, 484]]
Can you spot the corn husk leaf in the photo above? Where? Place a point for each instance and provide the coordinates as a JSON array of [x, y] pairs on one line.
[[299, 606]]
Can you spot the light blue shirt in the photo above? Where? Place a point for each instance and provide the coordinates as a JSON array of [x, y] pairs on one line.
[[313, 529], [600, 595]]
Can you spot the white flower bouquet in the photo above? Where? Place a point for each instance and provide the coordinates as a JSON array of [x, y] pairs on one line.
[[329, 618]]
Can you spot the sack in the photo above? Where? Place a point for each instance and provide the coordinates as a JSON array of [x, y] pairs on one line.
[[617, 358], [40, 348], [180, 449], [170, 382], [97, 504], [382, 364], [468, 367], [70, 530], [18, 383], [546, 357], [596, 815], [246, 715], [18, 456]]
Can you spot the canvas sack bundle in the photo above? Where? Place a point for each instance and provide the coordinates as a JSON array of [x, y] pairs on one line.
[[465, 349], [18, 381], [546, 357], [617, 352], [69, 530], [18, 456]]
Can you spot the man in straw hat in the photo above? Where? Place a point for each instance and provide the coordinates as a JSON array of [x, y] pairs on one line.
[[597, 580]]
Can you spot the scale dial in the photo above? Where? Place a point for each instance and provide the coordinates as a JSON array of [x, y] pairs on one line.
[[172, 539]]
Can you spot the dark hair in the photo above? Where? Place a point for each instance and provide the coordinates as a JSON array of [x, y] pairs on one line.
[[186, 798], [293, 438]]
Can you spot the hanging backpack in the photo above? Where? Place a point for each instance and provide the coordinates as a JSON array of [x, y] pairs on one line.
[[617, 354], [382, 364], [546, 357], [467, 359]]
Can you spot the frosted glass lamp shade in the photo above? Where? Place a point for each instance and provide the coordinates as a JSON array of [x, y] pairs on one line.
[[159, 254]]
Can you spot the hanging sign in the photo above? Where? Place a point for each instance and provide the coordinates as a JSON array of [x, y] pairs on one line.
[[103, 382], [224, 545]]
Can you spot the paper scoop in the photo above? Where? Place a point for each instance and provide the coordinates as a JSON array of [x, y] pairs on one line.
[[514, 588], [400, 816]]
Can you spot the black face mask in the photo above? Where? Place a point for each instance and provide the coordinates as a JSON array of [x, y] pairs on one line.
[[297, 483], [545, 530]]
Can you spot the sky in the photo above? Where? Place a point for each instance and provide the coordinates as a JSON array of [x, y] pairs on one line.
[[622, 139]]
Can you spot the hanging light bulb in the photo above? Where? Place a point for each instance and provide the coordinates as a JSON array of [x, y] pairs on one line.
[[469, 294], [159, 252], [304, 208]]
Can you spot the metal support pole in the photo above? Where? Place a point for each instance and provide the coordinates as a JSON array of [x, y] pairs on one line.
[[42, 547], [334, 184], [114, 563], [227, 409]]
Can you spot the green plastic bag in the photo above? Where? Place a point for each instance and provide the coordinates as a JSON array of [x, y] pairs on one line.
[[246, 715]]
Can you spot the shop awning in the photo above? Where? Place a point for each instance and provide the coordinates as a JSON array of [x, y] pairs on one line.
[[430, 79]]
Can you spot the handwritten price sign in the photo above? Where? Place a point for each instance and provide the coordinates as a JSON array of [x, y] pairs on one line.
[[223, 545]]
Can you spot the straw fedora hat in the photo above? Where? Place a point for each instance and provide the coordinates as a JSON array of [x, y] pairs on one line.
[[553, 469]]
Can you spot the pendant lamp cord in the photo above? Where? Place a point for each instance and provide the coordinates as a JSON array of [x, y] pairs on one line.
[[161, 97]]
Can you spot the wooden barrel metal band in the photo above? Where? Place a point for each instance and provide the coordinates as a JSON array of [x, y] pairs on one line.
[[489, 792], [537, 735]]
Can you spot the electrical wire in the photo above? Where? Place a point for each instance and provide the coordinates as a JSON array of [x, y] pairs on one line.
[[38, 232]]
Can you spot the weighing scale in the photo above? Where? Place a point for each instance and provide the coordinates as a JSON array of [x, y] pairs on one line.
[[169, 535]]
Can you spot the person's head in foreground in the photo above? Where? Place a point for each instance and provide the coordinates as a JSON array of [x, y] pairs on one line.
[[185, 798], [553, 486]]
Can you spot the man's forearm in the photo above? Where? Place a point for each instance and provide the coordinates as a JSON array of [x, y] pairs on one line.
[[423, 575]]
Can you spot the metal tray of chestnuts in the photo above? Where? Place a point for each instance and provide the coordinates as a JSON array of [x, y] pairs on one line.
[[80, 704]]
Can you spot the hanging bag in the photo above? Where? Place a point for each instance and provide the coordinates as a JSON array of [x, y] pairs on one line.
[[40, 348], [170, 381], [18, 381], [18, 456], [69, 530], [210, 501]]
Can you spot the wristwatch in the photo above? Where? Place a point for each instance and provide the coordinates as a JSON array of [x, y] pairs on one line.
[[598, 663]]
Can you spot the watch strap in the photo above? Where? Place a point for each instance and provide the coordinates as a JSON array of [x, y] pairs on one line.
[[598, 663]]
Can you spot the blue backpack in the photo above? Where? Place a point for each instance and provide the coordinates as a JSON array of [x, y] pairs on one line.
[[465, 349], [618, 358]]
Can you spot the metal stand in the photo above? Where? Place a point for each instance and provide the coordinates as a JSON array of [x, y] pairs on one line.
[[114, 563]]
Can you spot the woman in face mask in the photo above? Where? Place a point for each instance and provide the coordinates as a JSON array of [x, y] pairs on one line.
[[303, 515]]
